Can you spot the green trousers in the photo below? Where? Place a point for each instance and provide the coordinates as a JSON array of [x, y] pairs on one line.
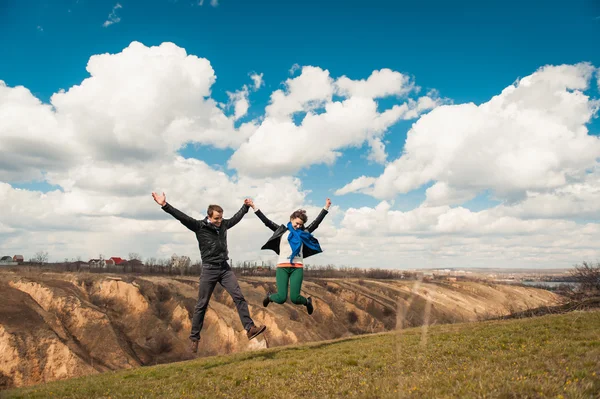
[[292, 276]]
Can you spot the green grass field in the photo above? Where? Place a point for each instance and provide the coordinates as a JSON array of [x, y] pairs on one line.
[[556, 356]]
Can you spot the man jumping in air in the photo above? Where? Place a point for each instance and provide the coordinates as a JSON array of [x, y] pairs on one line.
[[211, 233]]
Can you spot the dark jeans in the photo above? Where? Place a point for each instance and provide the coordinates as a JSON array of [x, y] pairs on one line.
[[211, 275]]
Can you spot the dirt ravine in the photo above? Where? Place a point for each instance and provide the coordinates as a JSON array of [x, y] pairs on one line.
[[60, 325]]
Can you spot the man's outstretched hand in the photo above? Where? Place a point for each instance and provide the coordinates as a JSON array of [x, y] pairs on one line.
[[327, 204], [160, 199], [250, 203]]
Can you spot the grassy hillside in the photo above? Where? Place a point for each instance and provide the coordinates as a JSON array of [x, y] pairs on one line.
[[550, 356], [55, 326]]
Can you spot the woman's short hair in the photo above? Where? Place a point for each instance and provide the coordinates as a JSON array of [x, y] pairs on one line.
[[300, 214]]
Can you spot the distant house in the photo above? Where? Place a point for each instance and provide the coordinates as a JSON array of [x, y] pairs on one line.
[[7, 261], [135, 263], [116, 260], [18, 258], [78, 265], [97, 263]]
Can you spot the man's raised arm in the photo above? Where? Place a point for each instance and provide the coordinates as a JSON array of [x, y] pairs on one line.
[[186, 220], [235, 219]]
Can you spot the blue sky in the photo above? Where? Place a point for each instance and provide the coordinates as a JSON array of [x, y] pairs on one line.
[[467, 51]]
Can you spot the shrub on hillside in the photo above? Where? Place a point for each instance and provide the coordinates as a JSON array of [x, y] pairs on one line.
[[163, 293], [161, 344], [352, 317], [294, 315], [588, 275], [177, 325]]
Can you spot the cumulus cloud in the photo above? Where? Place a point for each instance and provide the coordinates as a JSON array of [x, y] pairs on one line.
[[377, 153], [141, 104], [112, 139], [333, 124], [382, 83], [357, 184], [112, 17], [33, 138], [457, 237], [239, 101], [162, 102], [108, 209], [575, 200], [257, 79], [107, 143], [312, 89], [531, 137]]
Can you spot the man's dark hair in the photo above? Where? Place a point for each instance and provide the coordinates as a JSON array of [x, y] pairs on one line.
[[300, 214], [214, 208]]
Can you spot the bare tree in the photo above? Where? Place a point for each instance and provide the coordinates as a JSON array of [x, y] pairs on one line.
[[40, 257], [135, 255], [588, 275]]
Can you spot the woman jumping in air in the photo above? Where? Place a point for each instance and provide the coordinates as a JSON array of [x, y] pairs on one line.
[[293, 243]]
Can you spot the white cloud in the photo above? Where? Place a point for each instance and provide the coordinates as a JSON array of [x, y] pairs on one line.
[[377, 153], [112, 17], [163, 102], [239, 101], [356, 185], [528, 146], [257, 79], [294, 68], [214, 3], [575, 200], [441, 194], [109, 209], [141, 104], [531, 137], [111, 140], [311, 90], [382, 83], [328, 127], [33, 138], [456, 237]]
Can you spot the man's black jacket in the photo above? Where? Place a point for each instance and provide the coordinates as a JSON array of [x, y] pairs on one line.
[[275, 240], [212, 240]]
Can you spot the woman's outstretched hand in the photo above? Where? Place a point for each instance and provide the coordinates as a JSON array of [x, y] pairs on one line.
[[250, 203]]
